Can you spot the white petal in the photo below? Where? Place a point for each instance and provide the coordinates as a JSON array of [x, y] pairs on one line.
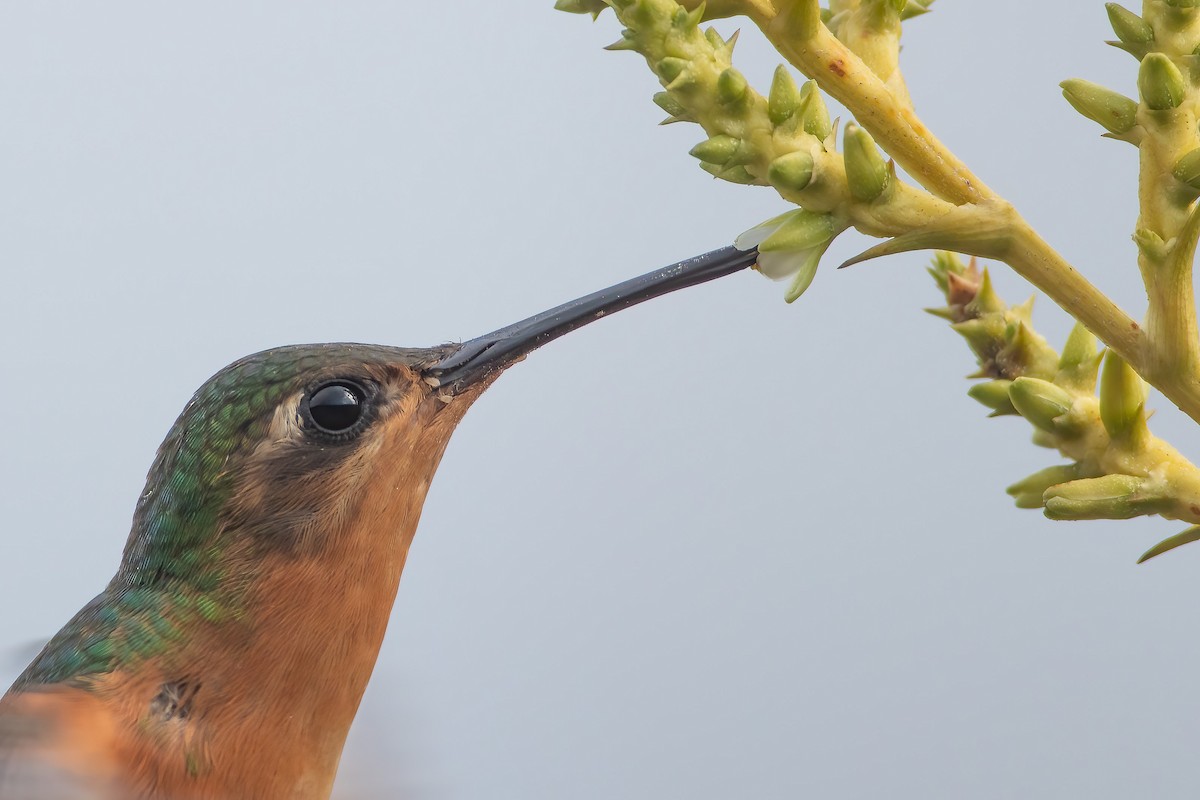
[[781, 264], [755, 236]]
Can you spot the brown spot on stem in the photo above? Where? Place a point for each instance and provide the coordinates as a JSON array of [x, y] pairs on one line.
[[837, 68]]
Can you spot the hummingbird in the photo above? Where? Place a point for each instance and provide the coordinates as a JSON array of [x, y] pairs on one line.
[[229, 654]]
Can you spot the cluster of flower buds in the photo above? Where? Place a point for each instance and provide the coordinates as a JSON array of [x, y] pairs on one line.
[[1118, 470], [1001, 336], [1162, 85], [701, 85], [1121, 470], [785, 140]]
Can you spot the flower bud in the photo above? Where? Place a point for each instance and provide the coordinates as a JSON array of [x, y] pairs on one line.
[[671, 68], [685, 20], [866, 171], [994, 395], [961, 287], [791, 172], [1106, 497], [667, 102], [914, 8], [1041, 438], [985, 336], [1079, 361], [1150, 244], [800, 231], [1029, 491], [945, 312], [1128, 26], [677, 111], [784, 97], [1160, 83], [1040, 402], [719, 149], [1187, 169], [986, 300], [628, 41], [723, 46], [1113, 110], [1122, 398], [1079, 350], [813, 112], [731, 86], [1026, 352], [734, 174]]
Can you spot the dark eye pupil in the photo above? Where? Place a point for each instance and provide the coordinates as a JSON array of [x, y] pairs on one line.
[[336, 407]]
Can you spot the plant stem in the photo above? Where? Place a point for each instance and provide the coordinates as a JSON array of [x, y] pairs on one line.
[[1168, 360], [794, 28], [1167, 226], [1034, 259]]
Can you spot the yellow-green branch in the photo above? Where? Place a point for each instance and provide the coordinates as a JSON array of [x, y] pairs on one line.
[[794, 27]]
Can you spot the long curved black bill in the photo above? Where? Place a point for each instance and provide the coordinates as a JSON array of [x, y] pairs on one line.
[[478, 358]]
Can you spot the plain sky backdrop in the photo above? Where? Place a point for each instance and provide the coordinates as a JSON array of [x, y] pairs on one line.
[[713, 547]]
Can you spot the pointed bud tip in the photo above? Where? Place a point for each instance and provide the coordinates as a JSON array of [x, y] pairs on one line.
[[784, 97], [867, 173], [813, 112], [985, 299], [593, 7], [992, 394]]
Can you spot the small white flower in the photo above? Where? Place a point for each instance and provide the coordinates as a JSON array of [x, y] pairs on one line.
[[791, 246]]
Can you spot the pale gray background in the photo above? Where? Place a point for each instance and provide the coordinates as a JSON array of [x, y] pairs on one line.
[[714, 547]]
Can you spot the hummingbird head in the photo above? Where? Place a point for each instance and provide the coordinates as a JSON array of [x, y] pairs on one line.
[[274, 451], [309, 457], [267, 546], [307, 461]]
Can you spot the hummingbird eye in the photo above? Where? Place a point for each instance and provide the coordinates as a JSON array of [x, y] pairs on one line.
[[336, 407]]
